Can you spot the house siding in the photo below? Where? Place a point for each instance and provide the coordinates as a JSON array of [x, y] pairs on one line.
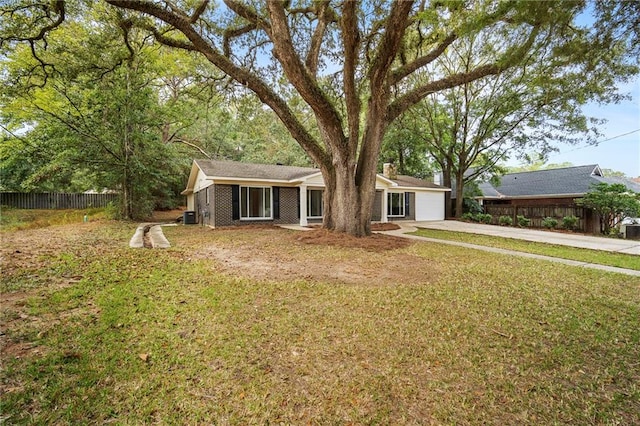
[[376, 214], [204, 212], [411, 214], [223, 213]]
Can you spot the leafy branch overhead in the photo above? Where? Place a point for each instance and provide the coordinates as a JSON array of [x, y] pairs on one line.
[[337, 73]]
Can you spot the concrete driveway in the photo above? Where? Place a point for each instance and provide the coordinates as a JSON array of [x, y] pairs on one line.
[[560, 238]]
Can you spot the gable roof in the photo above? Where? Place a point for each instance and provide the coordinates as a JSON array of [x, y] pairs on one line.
[[413, 182], [566, 181], [234, 169]]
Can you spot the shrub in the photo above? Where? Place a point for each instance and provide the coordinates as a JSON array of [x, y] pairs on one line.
[[505, 221], [484, 218], [523, 222], [468, 217], [549, 222], [569, 222], [470, 205]]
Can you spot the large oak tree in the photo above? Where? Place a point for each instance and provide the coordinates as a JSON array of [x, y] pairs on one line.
[[352, 63]]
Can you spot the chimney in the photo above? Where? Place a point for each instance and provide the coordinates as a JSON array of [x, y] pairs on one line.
[[437, 178], [389, 171]]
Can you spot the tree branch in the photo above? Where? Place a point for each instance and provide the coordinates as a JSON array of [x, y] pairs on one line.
[[351, 40], [192, 145], [377, 121], [245, 12], [422, 61], [233, 33], [239, 74], [316, 39], [509, 59], [299, 77], [199, 11]]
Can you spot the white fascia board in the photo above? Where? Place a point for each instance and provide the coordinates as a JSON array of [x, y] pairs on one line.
[[264, 182], [388, 181], [422, 189], [193, 174], [311, 176], [244, 181]]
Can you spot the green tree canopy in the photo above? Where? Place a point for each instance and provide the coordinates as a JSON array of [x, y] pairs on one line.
[[613, 203], [355, 67]]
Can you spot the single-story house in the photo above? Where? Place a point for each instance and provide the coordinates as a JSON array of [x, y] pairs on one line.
[[224, 193], [547, 193]]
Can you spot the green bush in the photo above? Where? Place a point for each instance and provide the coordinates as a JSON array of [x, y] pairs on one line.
[[468, 217], [505, 220], [569, 222], [470, 205], [484, 218], [478, 217], [523, 222], [549, 222]]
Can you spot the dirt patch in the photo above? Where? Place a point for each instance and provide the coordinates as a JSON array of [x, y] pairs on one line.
[[265, 266], [375, 242], [384, 226], [164, 216], [278, 254], [375, 227]]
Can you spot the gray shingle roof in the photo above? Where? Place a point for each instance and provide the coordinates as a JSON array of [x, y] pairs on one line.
[[237, 170], [632, 185], [564, 181], [234, 169], [410, 181]]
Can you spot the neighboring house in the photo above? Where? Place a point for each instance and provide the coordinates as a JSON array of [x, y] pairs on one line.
[[225, 193], [547, 193]]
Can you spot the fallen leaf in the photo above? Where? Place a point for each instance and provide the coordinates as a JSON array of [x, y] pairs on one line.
[[144, 357]]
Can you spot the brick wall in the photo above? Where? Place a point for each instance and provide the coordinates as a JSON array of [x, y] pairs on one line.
[[288, 206], [223, 211]]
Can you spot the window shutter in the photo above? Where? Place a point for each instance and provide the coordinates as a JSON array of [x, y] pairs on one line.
[[276, 202], [235, 202], [298, 202], [407, 204]]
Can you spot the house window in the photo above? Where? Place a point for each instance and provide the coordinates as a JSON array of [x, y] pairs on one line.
[[395, 204], [314, 203], [255, 202]]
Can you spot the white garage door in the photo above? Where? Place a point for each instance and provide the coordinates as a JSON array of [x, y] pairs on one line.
[[429, 205]]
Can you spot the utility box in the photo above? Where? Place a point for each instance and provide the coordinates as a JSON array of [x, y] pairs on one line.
[[632, 232], [189, 218]]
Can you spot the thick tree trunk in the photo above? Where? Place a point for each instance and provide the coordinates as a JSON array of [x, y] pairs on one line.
[[348, 206], [446, 182], [459, 194]]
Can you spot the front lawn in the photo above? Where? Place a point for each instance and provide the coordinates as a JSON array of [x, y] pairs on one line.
[[599, 257], [263, 326]]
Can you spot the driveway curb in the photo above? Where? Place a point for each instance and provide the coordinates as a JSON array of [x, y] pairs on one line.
[[409, 227]]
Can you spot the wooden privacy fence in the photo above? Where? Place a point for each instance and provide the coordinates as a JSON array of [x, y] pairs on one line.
[[55, 200], [536, 213]]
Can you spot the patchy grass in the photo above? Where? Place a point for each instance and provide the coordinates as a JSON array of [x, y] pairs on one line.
[[19, 219], [257, 327], [620, 260]]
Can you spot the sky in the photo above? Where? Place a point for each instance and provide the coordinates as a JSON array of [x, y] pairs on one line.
[[619, 147]]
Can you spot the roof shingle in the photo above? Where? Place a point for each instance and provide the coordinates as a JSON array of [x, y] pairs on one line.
[[234, 169], [576, 180]]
